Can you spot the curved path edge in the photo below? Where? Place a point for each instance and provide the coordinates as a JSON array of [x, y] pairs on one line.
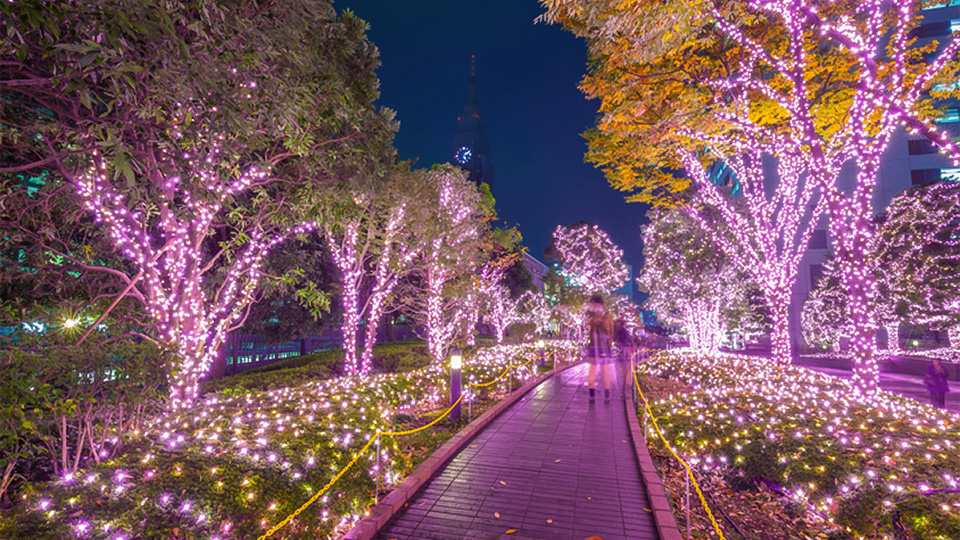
[[662, 513], [367, 527]]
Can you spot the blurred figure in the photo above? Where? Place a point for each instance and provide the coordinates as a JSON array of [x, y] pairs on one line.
[[627, 344], [937, 384], [599, 328]]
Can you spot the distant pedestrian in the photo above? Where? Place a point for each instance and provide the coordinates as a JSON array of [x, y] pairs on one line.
[[599, 328], [627, 346], [937, 384]]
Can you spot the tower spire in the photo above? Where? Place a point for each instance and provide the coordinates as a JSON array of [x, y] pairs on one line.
[[471, 151]]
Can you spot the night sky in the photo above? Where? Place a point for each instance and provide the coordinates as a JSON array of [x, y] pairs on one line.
[[533, 113]]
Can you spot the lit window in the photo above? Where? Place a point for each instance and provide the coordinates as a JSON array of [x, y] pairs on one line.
[[940, 4], [950, 175], [950, 114]]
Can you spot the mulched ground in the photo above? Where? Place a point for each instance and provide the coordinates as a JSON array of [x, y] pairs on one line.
[[758, 513]]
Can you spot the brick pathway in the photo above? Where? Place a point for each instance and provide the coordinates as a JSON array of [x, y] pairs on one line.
[[552, 456]]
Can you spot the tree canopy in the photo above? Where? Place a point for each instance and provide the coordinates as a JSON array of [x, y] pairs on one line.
[[191, 134]]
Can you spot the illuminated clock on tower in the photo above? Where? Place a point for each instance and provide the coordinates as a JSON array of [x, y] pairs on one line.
[[463, 156], [471, 151]]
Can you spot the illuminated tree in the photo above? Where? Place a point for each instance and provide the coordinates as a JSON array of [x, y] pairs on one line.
[[189, 135], [590, 261], [435, 295], [372, 232], [816, 86], [692, 284], [917, 257], [498, 308], [536, 310], [824, 316]]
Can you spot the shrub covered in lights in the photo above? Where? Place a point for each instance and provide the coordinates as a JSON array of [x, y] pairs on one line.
[[237, 463], [884, 467]]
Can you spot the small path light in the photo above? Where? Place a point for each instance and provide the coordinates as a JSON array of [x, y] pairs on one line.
[[456, 362], [543, 359]]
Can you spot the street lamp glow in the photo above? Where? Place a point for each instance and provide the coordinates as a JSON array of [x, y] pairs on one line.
[[70, 323], [456, 359], [456, 383]]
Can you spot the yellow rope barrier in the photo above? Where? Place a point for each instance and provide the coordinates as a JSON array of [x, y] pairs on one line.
[[421, 428], [696, 486], [313, 499], [353, 461], [480, 385]]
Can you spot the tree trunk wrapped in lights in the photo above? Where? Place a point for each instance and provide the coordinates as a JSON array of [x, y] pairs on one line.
[[691, 283], [499, 310], [372, 232], [435, 293], [917, 254], [818, 85], [193, 148]]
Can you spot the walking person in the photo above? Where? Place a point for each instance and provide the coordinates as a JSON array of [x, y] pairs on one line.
[[937, 384], [599, 328], [627, 348]]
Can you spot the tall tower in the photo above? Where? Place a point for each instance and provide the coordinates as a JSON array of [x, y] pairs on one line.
[[471, 151]]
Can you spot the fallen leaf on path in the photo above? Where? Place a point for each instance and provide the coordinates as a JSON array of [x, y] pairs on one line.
[[473, 446], [496, 515], [502, 482], [511, 531], [549, 521], [647, 510], [624, 441], [556, 461], [594, 538]]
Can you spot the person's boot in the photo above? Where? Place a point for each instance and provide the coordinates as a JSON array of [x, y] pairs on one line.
[[593, 394], [606, 395]]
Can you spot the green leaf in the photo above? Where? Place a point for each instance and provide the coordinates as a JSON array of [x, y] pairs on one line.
[[88, 58], [85, 98]]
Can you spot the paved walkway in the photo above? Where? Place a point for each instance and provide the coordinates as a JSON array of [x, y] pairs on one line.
[[553, 467]]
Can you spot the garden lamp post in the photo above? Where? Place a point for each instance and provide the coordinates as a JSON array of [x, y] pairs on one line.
[[543, 359], [456, 362]]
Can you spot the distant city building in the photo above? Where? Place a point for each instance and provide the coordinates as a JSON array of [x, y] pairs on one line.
[[538, 270], [909, 161], [471, 151]]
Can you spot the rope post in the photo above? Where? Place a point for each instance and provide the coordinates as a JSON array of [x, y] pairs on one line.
[[688, 504], [543, 359], [376, 496], [469, 409], [510, 380], [456, 389]]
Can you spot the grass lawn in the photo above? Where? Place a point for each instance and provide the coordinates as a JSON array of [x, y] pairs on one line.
[[791, 453], [257, 446]]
